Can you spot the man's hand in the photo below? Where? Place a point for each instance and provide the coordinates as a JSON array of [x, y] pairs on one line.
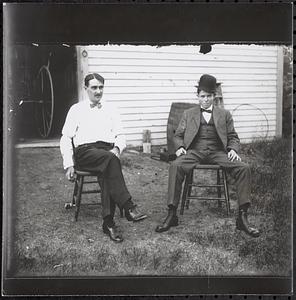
[[181, 151], [232, 156], [70, 174], [115, 151]]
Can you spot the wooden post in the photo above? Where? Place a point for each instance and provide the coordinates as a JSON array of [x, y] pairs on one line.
[[146, 141], [8, 150], [279, 96], [82, 70]]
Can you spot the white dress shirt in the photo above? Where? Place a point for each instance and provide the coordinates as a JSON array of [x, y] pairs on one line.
[[88, 125], [206, 115]]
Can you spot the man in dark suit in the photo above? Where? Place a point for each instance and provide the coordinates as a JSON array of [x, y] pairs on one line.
[[206, 134]]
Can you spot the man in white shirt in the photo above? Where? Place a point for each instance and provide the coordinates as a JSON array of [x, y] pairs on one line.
[[95, 127], [206, 134]]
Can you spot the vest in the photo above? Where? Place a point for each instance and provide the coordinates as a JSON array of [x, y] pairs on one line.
[[207, 137]]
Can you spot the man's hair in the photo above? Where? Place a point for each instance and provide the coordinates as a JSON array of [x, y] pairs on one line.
[[91, 76], [198, 90]]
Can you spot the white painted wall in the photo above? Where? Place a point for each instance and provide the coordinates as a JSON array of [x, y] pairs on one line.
[[143, 81]]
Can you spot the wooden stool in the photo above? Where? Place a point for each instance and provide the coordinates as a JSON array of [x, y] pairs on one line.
[[221, 183], [78, 190]]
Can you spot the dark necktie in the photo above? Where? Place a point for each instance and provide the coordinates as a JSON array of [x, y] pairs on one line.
[[206, 110]]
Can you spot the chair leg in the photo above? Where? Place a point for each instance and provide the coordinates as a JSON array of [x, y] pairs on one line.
[[185, 193], [226, 192], [80, 180], [75, 193], [189, 189], [219, 188], [100, 182], [71, 204]]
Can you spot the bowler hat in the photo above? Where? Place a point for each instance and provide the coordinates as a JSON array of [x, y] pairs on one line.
[[207, 83]]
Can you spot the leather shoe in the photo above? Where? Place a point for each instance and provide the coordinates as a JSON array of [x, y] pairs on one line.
[[171, 220], [132, 214], [113, 233], [243, 224]]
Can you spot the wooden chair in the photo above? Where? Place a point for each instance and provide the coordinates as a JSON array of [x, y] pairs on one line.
[[219, 185], [79, 183]]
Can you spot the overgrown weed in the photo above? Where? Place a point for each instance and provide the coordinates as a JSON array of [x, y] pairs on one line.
[[271, 168]]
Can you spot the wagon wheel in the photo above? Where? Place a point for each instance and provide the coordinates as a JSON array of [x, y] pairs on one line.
[[263, 126], [44, 101]]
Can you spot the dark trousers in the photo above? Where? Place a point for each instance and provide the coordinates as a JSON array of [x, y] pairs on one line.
[[97, 158], [185, 163]]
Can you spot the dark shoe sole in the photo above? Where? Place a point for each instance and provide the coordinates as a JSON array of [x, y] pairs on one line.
[[141, 218], [241, 228], [164, 229]]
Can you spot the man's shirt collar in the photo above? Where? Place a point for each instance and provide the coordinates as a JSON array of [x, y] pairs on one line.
[[93, 105], [210, 109]]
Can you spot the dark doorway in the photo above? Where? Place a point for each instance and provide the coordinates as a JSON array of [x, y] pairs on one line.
[[42, 85]]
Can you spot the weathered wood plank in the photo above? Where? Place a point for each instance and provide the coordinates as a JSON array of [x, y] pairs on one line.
[[187, 49], [130, 83], [182, 57], [259, 103], [184, 96], [165, 63], [184, 89], [223, 77], [258, 126], [197, 70], [238, 116], [138, 130]]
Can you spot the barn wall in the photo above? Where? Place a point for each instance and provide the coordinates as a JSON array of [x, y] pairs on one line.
[[143, 81]]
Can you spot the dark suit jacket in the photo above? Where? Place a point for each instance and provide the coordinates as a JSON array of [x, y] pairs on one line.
[[190, 122]]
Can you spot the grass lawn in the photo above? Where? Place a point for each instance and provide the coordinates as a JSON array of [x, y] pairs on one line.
[[49, 243]]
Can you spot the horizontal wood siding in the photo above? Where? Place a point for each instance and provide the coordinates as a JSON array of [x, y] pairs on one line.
[[143, 81]]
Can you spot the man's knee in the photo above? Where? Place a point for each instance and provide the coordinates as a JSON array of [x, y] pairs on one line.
[[244, 168], [178, 166], [111, 157], [114, 161]]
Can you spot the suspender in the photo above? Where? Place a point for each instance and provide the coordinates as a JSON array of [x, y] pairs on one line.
[[73, 148], [72, 142]]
